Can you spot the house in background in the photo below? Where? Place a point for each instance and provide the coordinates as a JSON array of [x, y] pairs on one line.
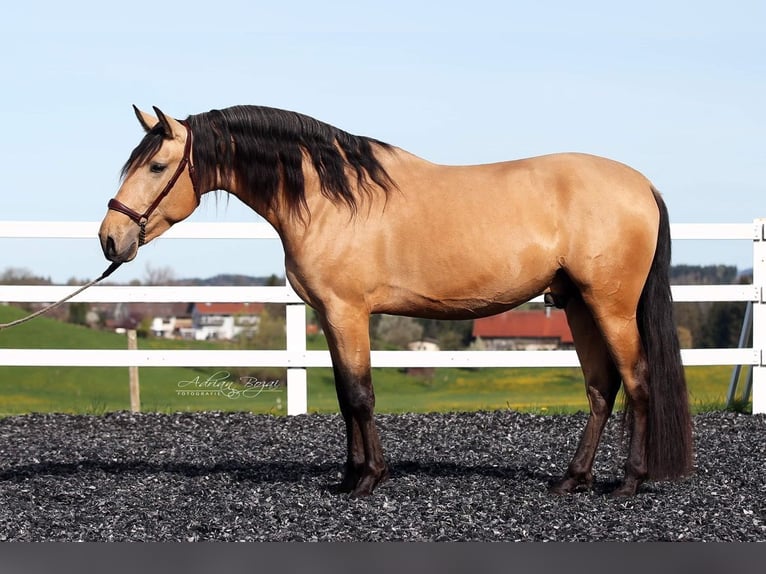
[[529, 330], [172, 327], [224, 320], [166, 317], [199, 321]]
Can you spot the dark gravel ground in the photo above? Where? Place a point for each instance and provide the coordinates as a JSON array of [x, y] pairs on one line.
[[468, 476]]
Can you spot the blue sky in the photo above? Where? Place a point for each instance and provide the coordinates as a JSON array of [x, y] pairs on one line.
[[675, 89]]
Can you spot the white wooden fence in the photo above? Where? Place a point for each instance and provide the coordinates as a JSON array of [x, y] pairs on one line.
[[297, 359]]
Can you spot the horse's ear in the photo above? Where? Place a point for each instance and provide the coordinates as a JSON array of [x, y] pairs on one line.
[[147, 122], [172, 126]]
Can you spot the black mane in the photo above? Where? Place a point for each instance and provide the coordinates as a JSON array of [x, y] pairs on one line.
[[262, 147]]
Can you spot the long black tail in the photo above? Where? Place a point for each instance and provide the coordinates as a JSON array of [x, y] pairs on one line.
[[669, 445]]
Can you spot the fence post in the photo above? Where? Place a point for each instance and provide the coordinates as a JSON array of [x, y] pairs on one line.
[[297, 388], [747, 328], [135, 391], [759, 317]]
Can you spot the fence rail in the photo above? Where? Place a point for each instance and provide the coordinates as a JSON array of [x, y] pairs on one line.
[[296, 358]]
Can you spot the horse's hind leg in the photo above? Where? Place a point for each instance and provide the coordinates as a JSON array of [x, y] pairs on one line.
[[602, 382], [617, 320]]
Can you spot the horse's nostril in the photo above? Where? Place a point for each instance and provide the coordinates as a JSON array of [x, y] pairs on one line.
[[111, 248]]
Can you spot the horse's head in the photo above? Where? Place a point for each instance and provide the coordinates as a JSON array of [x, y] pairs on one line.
[[157, 191]]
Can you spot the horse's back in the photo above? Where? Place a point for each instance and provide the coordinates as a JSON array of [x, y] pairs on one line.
[[468, 240], [548, 207], [460, 241]]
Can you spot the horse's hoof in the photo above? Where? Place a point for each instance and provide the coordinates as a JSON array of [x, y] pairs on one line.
[[622, 492], [347, 484], [343, 487], [367, 484], [570, 485], [352, 474], [628, 488], [561, 487], [360, 493], [364, 488]]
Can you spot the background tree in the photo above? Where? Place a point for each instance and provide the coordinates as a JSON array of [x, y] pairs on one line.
[[685, 338], [395, 331], [163, 275], [78, 313], [723, 325], [449, 335], [23, 276]]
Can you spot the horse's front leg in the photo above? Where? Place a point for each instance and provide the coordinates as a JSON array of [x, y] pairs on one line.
[[347, 331], [352, 471]]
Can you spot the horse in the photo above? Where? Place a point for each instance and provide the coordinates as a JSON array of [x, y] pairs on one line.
[[368, 227]]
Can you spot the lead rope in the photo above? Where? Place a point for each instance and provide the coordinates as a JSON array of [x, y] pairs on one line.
[[104, 275]]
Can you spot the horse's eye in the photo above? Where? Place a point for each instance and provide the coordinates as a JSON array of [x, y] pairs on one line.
[[157, 168]]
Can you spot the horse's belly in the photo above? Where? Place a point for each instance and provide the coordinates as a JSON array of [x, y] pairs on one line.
[[459, 294], [453, 309]]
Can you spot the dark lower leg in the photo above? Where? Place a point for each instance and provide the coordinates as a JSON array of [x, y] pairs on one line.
[[354, 449], [636, 469], [365, 465], [602, 381], [579, 472], [374, 469], [635, 465], [354, 456]]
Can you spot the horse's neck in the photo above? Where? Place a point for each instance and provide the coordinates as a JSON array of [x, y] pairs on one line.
[[285, 220], [251, 198]]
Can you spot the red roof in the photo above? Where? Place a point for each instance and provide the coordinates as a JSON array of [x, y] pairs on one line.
[[524, 325], [229, 308]]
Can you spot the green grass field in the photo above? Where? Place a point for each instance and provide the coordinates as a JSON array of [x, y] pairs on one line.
[[96, 390]]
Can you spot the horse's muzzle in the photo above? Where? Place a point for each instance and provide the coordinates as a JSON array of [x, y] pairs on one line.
[[118, 248], [114, 254]]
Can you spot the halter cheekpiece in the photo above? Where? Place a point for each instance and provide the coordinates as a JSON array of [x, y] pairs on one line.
[[141, 219]]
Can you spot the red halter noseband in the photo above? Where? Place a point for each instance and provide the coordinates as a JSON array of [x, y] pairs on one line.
[[142, 219]]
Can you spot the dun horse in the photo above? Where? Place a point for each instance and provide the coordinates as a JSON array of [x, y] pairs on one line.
[[370, 228]]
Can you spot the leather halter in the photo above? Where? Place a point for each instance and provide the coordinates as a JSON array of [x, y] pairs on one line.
[[141, 219]]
